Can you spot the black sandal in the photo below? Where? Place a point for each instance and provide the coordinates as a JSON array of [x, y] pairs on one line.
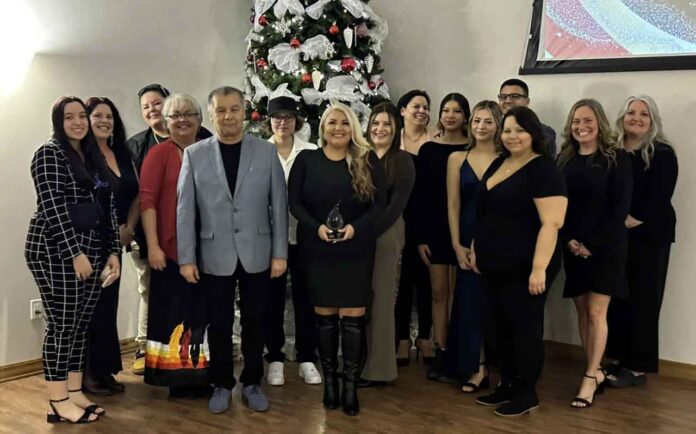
[[626, 378], [93, 408], [475, 388], [599, 389], [55, 417]]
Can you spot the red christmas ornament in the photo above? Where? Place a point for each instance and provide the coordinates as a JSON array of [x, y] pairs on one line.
[[348, 64], [263, 20], [294, 43], [372, 85], [255, 116], [261, 63], [334, 29], [306, 78]]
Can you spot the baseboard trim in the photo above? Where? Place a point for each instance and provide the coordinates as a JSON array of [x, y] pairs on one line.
[[28, 368], [668, 368]]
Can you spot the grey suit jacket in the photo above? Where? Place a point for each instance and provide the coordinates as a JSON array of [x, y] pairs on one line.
[[251, 227]]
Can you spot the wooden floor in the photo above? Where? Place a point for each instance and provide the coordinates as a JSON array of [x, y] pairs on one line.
[[411, 405]]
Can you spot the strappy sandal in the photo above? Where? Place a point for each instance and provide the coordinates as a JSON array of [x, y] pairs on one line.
[[581, 403], [55, 417], [475, 388], [93, 408]]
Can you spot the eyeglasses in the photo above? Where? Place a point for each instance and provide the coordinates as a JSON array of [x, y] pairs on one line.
[[176, 116], [512, 96], [277, 117]]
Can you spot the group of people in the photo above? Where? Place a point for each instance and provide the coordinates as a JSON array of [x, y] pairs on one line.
[[471, 219]]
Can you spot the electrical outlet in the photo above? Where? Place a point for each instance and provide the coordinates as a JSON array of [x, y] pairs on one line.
[[35, 309]]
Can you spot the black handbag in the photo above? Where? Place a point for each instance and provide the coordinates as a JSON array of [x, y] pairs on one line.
[[86, 216]]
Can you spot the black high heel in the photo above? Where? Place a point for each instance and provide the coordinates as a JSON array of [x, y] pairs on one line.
[[93, 408], [483, 384], [55, 417], [599, 389]]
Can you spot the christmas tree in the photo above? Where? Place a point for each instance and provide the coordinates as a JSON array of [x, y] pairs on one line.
[[314, 51]]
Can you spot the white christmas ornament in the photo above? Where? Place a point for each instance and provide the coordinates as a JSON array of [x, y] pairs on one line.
[[348, 37], [282, 27], [287, 58], [317, 76], [369, 62]]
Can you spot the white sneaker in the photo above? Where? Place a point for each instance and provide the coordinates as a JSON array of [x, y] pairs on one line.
[[309, 372], [275, 375]]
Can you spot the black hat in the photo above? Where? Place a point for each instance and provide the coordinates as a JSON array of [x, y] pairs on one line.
[[154, 88], [282, 104]]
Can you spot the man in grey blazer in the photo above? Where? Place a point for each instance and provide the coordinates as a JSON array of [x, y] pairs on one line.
[[232, 222]]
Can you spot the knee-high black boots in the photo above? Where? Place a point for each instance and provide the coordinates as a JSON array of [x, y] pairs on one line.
[[353, 346], [328, 352]]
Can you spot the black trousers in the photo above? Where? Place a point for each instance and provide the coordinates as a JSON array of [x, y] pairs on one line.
[[414, 277], [634, 323], [516, 320], [253, 295], [305, 320], [103, 348]]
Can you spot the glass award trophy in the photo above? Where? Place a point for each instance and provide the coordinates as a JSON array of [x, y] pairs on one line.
[[335, 222]]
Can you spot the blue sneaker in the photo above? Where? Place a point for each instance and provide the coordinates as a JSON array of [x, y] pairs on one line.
[[220, 401], [254, 398]]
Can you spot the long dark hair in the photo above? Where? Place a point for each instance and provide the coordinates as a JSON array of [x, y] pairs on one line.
[[463, 104], [389, 159], [529, 121], [117, 142], [407, 97], [93, 166]]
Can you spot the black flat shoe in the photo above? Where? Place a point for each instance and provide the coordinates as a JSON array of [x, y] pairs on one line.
[[55, 417], [500, 395], [626, 378]]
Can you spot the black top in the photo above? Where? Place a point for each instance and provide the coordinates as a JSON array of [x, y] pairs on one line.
[[315, 185], [128, 186], [411, 206], [431, 194], [398, 190], [651, 202], [599, 195], [230, 159], [140, 144], [507, 220], [550, 139]]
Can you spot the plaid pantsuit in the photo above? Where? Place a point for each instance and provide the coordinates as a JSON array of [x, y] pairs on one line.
[[51, 245]]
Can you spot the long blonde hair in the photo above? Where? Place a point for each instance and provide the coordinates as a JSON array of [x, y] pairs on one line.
[[358, 152], [606, 138], [654, 135]]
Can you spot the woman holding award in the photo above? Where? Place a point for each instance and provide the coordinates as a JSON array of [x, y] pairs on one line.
[[336, 194]]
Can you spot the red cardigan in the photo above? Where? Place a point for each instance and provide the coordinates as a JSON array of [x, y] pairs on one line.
[[158, 179]]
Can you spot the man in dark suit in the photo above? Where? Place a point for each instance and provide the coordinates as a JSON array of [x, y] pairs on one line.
[[233, 186], [515, 93]]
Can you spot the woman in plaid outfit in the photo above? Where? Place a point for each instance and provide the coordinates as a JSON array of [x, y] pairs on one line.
[[72, 237]]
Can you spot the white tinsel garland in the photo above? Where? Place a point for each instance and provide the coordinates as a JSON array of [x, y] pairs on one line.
[[280, 9]]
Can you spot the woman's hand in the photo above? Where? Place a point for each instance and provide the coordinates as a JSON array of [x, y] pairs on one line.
[[125, 235], [424, 252], [347, 233], [83, 269], [537, 282], [463, 256], [115, 265], [189, 272], [573, 247], [324, 232], [472, 259], [156, 258], [583, 251]]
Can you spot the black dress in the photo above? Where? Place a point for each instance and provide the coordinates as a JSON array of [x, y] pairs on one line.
[[599, 195], [103, 347], [431, 199], [338, 274]]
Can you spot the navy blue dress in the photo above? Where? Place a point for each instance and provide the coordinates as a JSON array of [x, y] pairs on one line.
[[465, 335]]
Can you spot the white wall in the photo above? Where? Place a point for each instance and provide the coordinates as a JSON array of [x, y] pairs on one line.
[[472, 46], [100, 49], [113, 48]]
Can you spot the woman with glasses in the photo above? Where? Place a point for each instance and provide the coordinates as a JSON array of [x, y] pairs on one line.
[[72, 239], [284, 122], [432, 231], [175, 354], [104, 350], [150, 99], [414, 108], [634, 323]]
